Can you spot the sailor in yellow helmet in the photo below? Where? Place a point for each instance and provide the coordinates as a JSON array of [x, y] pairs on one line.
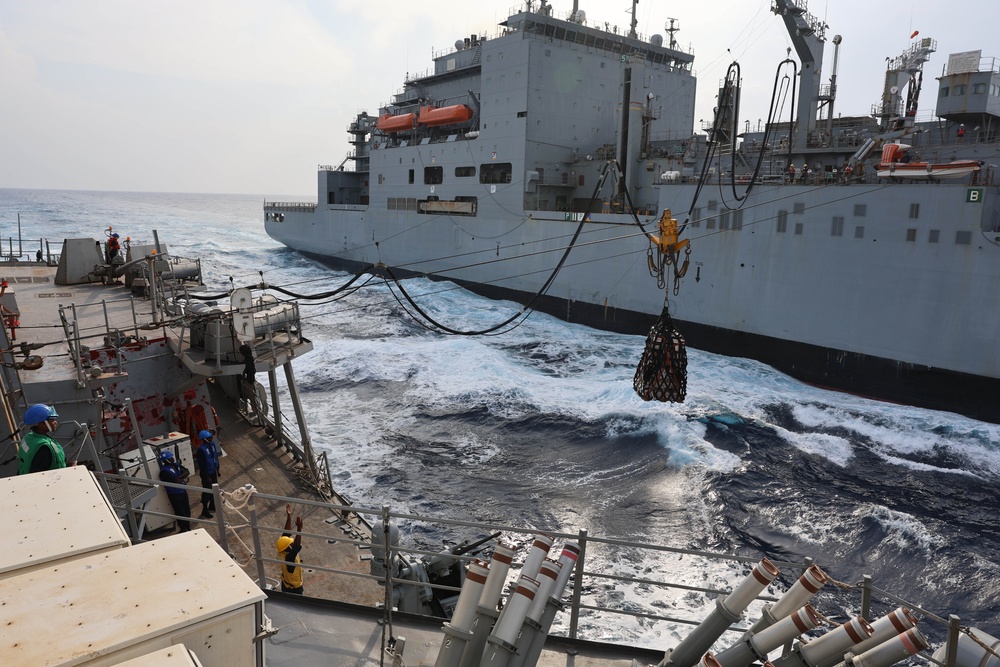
[[288, 551]]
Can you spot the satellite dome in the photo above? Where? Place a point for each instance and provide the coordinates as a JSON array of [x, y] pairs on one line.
[[656, 40], [459, 44]]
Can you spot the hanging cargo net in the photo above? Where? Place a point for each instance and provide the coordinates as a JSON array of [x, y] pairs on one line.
[[662, 371]]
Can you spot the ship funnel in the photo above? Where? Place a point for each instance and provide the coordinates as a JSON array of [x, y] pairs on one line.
[[486, 611], [728, 610], [900, 647], [752, 648], [794, 598]]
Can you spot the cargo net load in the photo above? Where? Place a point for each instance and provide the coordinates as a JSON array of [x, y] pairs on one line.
[[662, 371]]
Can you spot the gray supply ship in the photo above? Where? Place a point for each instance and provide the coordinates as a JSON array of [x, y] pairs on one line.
[[93, 574], [859, 253]]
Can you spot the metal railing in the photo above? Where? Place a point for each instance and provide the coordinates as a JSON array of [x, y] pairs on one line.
[[237, 523]]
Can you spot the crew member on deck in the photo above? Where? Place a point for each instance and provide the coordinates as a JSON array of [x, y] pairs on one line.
[[288, 551], [172, 471], [207, 457], [38, 451]]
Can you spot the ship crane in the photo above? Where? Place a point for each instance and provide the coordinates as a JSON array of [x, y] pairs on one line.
[[808, 35]]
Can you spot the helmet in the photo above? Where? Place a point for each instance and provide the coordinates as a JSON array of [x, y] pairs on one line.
[[205, 435], [284, 542], [166, 455], [114, 236], [38, 413]]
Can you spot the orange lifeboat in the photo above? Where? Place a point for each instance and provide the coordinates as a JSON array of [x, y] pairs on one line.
[[389, 123], [435, 116]]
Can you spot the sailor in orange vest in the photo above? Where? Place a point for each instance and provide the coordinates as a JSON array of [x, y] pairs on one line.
[[288, 551], [791, 173], [961, 130]]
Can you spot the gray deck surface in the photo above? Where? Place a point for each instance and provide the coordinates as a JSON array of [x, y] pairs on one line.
[[334, 635]]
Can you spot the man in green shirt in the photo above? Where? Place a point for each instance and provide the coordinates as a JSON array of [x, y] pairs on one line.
[[38, 451]]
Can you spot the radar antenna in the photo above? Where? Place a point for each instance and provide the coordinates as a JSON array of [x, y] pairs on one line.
[[672, 29]]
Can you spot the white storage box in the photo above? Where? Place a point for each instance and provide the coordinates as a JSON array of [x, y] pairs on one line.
[[108, 608], [54, 516]]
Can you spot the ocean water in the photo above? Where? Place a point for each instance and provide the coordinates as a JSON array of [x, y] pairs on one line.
[[540, 428]]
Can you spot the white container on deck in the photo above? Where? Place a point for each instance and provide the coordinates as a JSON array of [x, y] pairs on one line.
[[108, 608], [175, 656], [52, 517]]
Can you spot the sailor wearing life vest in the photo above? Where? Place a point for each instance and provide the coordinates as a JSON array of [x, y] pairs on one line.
[[172, 471], [207, 457], [288, 551], [38, 451]]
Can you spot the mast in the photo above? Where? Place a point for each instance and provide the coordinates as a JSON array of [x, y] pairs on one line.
[[632, 33], [808, 35]]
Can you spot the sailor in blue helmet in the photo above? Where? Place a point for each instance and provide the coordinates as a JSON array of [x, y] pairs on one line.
[[207, 458], [173, 471], [38, 451]]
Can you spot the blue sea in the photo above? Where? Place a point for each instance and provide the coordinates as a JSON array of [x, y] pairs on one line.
[[540, 427]]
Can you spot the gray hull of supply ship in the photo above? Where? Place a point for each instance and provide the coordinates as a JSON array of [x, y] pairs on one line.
[[483, 169]]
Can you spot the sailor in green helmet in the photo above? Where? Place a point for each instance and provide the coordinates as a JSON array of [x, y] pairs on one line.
[[38, 451]]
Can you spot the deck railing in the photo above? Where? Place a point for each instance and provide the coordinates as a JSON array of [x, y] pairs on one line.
[[239, 528]]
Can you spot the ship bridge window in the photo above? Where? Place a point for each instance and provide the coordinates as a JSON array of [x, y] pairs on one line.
[[958, 90], [979, 89], [944, 91], [838, 226], [963, 237], [433, 175], [495, 172], [465, 172]]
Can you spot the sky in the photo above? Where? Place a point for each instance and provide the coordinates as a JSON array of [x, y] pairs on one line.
[[249, 96]]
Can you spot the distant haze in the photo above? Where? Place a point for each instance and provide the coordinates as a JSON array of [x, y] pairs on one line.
[[250, 96]]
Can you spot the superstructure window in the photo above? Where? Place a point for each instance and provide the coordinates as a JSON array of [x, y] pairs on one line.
[[798, 228], [433, 175], [738, 219], [798, 208], [944, 91], [934, 236], [712, 204], [465, 172], [978, 88], [911, 235], [837, 229], [860, 210], [914, 211], [696, 217], [963, 237], [859, 232], [958, 90], [411, 176], [498, 172], [782, 221]]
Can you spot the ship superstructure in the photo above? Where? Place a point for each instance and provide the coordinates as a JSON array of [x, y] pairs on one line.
[[855, 269]]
